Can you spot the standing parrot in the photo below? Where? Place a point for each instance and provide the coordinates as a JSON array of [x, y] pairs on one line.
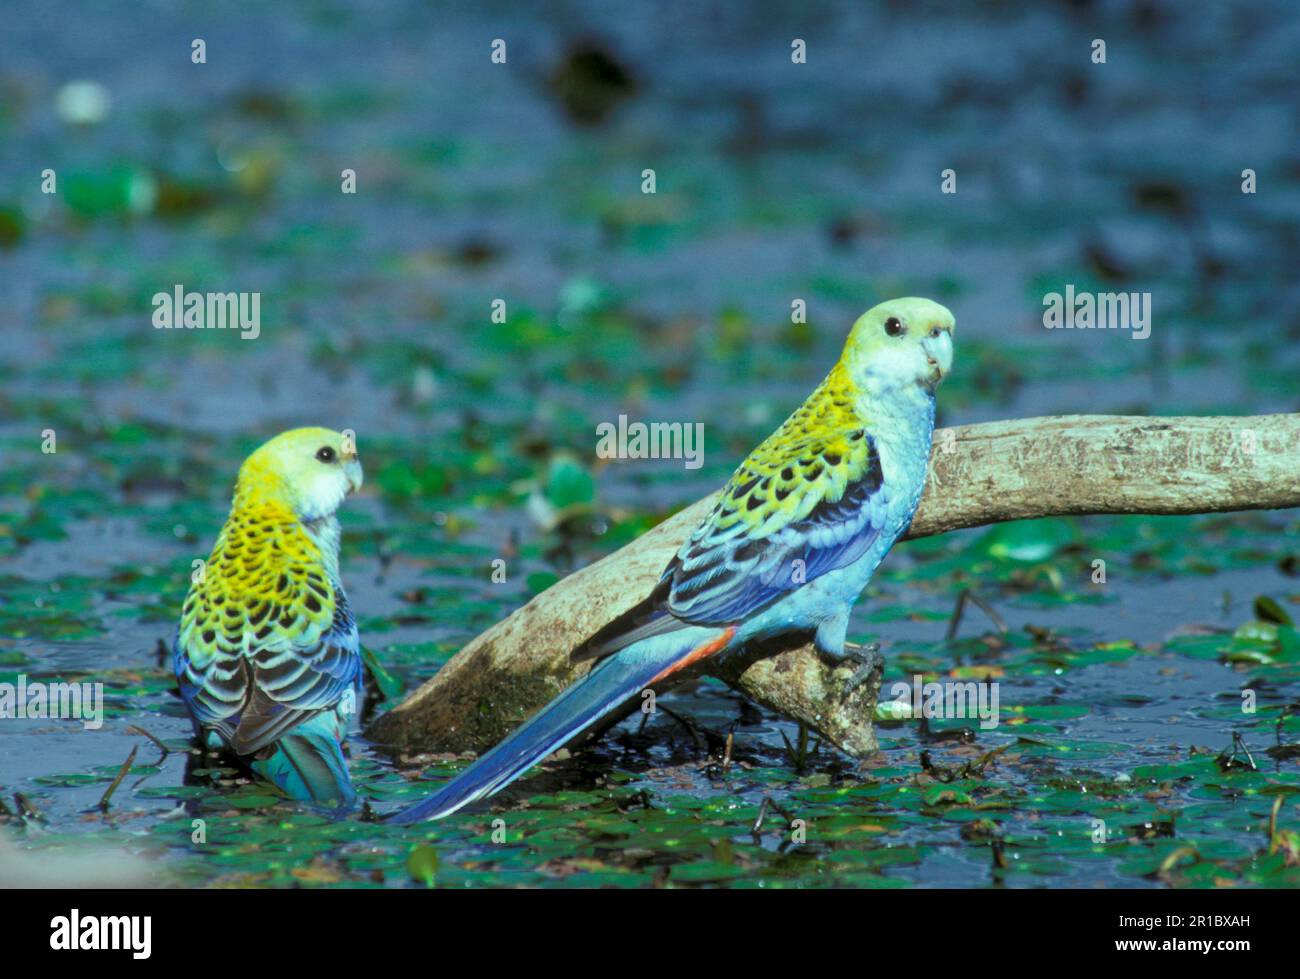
[[267, 655], [796, 535]]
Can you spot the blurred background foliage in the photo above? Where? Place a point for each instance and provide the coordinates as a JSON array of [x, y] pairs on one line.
[[775, 182]]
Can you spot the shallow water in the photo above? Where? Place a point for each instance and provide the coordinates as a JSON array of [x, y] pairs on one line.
[[775, 182]]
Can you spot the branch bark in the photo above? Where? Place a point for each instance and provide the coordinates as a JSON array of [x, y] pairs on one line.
[[979, 474]]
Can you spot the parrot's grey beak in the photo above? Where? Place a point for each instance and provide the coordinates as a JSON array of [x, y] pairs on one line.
[[938, 355], [352, 470]]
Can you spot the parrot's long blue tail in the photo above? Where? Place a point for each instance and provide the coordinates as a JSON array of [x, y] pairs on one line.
[[609, 684], [308, 764]]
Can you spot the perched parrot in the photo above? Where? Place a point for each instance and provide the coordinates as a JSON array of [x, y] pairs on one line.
[[267, 655], [796, 535]]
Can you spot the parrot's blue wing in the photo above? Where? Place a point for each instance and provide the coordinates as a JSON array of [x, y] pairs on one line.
[[726, 572], [253, 700], [783, 520]]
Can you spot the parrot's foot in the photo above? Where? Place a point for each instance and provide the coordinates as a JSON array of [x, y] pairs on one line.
[[867, 659]]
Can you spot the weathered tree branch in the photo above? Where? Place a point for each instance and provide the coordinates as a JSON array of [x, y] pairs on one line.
[[980, 474]]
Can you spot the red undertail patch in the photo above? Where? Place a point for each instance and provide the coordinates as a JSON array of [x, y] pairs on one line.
[[698, 653]]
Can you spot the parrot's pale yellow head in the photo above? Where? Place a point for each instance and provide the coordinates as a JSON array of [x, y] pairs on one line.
[[309, 469], [902, 343]]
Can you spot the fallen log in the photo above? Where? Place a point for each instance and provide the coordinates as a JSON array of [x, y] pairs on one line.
[[979, 474]]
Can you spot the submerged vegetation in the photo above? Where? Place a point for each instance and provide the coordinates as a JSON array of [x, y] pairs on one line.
[[1149, 727]]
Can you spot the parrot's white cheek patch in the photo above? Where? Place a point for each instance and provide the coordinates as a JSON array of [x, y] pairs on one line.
[[325, 493], [896, 366]]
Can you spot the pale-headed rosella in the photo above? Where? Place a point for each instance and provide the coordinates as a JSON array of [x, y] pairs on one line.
[[798, 532], [267, 654]]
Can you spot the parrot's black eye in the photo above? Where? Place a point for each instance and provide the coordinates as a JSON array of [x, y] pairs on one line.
[[893, 327], [325, 454]]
